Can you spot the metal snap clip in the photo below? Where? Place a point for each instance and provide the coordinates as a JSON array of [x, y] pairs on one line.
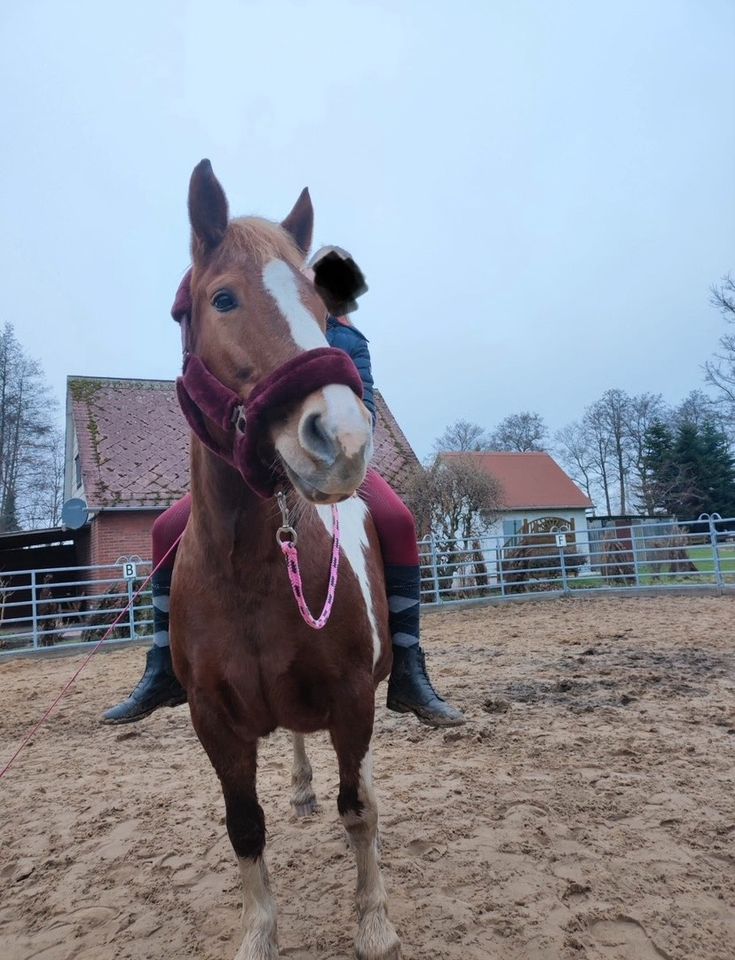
[[282, 533], [238, 419]]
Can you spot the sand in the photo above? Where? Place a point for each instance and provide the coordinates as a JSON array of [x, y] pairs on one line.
[[586, 811]]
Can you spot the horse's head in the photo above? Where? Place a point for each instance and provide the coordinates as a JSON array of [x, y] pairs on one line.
[[254, 310]]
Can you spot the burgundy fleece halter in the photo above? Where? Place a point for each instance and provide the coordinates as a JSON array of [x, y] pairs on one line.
[[203, 397]]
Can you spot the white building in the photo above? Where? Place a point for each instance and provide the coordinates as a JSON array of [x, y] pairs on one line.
[[537, 496]]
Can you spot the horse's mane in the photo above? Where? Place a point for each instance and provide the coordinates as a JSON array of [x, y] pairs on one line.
[[263, 240]]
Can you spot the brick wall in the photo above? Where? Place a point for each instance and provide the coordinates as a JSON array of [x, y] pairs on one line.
[[121, 533]]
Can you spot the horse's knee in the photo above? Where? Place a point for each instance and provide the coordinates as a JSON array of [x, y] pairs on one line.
[[245, 825], [358, 810], [348, 800]]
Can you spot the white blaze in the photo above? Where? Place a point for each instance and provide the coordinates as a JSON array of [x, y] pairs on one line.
[[354, 542], [281, 284]]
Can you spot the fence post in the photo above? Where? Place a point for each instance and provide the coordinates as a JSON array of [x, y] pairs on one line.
[[434, 570], [131, 608], [561, 542], [634, 550], [34, 609], [564, 580], [712, 519]]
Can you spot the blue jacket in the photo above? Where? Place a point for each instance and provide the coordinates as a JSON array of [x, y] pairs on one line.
[[355, 344]]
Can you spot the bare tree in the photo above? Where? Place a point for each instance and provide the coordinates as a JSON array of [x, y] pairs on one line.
[[645, 410], [576, 450], [26, 428], [608, 418], [454, 497], [720, 371], [43, 498], [599, 450], [462, 437], [600, 446], [698, 409], [606, 452], [521, 432], [454, 500]]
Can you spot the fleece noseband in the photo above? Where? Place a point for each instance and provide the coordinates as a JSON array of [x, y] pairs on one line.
[[205, 398]]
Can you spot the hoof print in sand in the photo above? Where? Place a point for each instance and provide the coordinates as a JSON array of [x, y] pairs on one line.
[[625, 939]]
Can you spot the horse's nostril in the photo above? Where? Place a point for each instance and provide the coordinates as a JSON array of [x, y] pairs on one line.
[[317, 440]]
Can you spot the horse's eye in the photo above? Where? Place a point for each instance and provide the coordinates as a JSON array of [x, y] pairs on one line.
[[223, 301]]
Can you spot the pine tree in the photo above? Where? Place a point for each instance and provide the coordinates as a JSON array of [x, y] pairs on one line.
[[659, 473], [717, 472], [690, 495], [689, 470]]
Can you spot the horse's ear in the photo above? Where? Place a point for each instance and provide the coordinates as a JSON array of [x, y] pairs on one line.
[[208, 213], [338, 280], [300, 222]]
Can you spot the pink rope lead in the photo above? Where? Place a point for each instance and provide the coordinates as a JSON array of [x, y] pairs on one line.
[[288, 547]]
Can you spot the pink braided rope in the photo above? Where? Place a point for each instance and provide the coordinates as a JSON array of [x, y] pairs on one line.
[[294, 575]]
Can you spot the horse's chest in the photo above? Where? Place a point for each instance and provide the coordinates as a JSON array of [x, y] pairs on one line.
[[361, 565], [357, 613]]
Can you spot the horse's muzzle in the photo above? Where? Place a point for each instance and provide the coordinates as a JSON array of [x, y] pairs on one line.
[[325, 444], [312, 374]]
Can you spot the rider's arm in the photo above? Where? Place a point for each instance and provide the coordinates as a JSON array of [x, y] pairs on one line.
[[354, 343]]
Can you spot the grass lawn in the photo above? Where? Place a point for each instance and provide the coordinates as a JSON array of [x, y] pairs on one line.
[[704, 561], [701, 557]]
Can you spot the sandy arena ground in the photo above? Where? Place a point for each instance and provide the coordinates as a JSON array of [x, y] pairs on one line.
[[586, 812]]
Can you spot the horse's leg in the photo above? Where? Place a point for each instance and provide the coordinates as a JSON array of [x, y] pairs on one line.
[[303, 798], [234, 759], [358, 807]]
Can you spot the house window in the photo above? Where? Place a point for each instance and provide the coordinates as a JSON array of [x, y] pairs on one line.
[[511, 527], [77, 471]]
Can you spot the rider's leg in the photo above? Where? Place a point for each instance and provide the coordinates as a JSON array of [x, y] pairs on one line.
[[409, 687], [158, 687]]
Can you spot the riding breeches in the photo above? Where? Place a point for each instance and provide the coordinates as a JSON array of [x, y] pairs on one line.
[[393, 521]]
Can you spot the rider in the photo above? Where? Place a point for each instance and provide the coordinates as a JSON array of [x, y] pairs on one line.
[[409, 687]]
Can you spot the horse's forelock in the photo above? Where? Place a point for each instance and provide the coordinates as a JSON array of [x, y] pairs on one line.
[[262, 240]]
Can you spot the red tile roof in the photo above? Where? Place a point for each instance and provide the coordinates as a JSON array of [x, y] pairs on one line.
[[530, 480], [134, 442]]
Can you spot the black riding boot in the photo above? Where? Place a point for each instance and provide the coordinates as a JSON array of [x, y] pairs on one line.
[[409, 687], [158, 687]]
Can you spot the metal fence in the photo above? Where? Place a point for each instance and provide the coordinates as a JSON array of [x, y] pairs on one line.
[[74, 606], [631, 556]]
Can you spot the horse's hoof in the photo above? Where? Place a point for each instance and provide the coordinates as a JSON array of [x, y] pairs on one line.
[[257, 949], [306, 808], [390, 953], [377, 939]]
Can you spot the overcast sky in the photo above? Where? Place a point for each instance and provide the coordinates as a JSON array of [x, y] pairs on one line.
[[540, 193]]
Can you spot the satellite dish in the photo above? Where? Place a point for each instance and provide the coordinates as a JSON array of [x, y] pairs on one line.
[[74, 513]]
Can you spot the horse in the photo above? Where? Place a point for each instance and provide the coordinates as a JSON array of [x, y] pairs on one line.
[[274, 410]]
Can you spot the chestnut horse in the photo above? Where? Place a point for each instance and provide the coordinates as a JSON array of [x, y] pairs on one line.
[[273, 409]]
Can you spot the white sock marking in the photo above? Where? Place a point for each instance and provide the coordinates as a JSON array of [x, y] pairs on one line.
[[352, 514], [376, 936], [280, 282], [366, 768], [259, 914]]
